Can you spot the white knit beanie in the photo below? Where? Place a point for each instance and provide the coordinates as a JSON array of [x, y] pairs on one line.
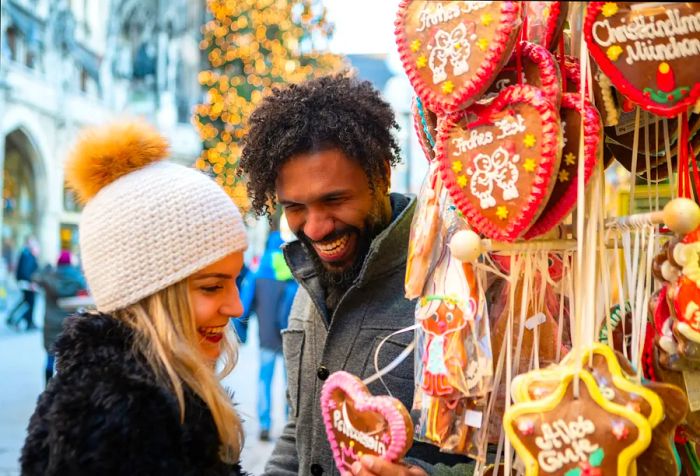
[[150, 223]]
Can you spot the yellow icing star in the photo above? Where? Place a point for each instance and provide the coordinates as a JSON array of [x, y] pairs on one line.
[[502, 212], [570, 158], [486, 19], [457, 166], [448, 87], [529, 140], [462, 181], [609, 9], [563, 176], [483, 44], [421, 61], [415, 45], [614, 52], [529, 165]]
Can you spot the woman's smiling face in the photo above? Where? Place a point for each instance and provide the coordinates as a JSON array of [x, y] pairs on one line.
[[215, 300]]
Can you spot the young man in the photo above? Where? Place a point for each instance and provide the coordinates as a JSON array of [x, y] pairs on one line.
[[323, 150]]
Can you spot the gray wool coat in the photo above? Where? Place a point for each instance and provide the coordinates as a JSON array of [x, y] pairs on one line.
[[316, 344]]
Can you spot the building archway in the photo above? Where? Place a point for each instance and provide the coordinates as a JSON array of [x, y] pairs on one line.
[[21, 197]]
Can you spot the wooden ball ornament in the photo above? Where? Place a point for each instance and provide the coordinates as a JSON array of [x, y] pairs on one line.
[[682, 215], [465, 245]]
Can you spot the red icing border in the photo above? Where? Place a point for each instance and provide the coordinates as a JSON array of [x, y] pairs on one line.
[[592, 127], [387, 406], [620, 82], [469, 91], [549, 70], [550, 148], [553, 21]]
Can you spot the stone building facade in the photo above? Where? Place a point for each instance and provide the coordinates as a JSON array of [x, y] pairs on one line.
[[65, 64]]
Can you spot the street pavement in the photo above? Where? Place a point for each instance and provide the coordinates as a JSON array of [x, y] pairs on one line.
[[21, 381]]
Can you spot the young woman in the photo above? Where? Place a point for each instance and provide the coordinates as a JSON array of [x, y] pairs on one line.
[[136, 390]]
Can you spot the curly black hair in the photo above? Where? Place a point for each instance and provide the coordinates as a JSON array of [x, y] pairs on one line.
[[328, 112]]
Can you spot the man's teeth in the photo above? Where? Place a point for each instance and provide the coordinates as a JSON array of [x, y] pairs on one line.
[[212, 331], [333, 245]]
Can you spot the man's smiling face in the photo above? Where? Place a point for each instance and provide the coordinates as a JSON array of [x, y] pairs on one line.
[[331, 208]]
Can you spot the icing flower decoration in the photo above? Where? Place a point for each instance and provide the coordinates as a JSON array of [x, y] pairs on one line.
[[529, 140], [421, 62], [415, 45], [448, 87], [486, 19], [529, 165], [502, 212], [462, 181], [483, 44], [563, 176], [609, 9], [570, 158], [457, 166], [614, 52], [620, 431]]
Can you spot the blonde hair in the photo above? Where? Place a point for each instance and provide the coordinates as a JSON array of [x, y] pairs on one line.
[[166, 334]]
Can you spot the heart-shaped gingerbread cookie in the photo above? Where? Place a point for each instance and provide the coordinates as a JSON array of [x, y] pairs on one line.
[[499, 168], [650, 51], [539, 69], [563, 197], [358, 423], [453, 50]]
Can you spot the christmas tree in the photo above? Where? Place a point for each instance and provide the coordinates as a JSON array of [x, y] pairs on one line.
[[253, 46]]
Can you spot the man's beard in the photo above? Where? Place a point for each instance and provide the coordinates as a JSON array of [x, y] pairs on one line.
[[336, 282]]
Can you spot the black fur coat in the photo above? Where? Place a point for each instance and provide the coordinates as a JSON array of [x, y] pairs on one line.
[[104, 414]]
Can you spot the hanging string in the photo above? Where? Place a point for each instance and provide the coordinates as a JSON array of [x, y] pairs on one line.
[[671, 176]]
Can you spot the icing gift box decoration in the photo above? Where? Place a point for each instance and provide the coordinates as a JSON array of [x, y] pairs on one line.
[[453, 50], [649, 51], [358, 423]]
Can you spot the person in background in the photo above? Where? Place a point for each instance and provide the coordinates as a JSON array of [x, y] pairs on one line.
[[27, 265], [272, 287], [137, 388], [64, 280]]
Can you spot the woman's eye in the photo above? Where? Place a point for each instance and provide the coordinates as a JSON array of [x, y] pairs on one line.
[[210, 289], [450, 317]]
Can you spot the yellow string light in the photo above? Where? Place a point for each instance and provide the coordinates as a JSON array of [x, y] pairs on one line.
[[252, 46]]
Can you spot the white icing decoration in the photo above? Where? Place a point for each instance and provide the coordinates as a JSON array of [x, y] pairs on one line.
[[498, 169], [563, 128], [436, 356], [474, 6], [642, 30], [510, 127], [562, 443], [453, 47], [475, 140], [341, 422], [441, 13]]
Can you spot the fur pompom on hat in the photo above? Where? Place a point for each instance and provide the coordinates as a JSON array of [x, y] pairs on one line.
[[147, 223]]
